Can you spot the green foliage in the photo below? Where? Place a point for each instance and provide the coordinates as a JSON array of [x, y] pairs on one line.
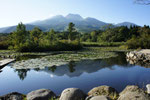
[[135, 36], [109, 26], [115, 34], [35, 35], [102, 44], [4, 41], [19, 36], [71, 30], [141, 41], [38, 41]]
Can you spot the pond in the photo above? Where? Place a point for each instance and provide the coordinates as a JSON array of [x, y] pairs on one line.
[[84, 74]]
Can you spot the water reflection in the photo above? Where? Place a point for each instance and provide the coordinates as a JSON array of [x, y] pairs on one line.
[[22, 73], [86, 74], [75, 69], [53, 68], [1, 67], [140, 63], [71, 66]]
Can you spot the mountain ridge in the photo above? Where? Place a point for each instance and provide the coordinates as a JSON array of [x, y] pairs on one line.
[[60, 23]]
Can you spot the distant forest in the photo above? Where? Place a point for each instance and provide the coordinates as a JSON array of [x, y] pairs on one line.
[[133, 37]]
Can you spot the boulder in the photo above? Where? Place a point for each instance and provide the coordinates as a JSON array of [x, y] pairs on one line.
[[99, 98], [148, 88], [72, 94], [12, 96], [41, 94], [131, 54], [133, 93], [104, 90]]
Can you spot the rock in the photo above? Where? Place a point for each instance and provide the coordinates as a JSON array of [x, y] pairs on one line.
[[135, 57], [104, 90], [141, 57], [133, 93], [148, 88], [99, 98], [12, 96], [41, 94], [131, 54], [72, 94]]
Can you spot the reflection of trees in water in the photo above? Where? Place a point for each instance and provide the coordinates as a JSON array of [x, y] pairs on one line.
[[75, 69], [53, 68], [37, 69], [71, 66], [26, 57], [119, 60], [1, 68], [22, 73]]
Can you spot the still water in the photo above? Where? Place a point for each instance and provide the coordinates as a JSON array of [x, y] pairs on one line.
[[86, 74]]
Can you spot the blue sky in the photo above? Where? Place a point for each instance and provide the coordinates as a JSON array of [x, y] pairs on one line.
[[111, 11]]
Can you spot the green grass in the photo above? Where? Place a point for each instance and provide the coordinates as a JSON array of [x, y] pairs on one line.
[[103, 44]]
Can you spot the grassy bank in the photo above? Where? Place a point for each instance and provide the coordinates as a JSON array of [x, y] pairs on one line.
[[103, 44]]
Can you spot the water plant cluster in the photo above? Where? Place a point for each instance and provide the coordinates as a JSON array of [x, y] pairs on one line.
[[63, 58]]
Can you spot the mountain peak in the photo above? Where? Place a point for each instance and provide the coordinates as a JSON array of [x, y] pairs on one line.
[[74, 17], [57, 16], [90, 18]]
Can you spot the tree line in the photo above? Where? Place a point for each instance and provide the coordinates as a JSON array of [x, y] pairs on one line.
[[36, 40], [134, 37]]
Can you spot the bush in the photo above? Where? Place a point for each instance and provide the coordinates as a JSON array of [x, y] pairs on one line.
[[57, 46], [142, 42], [3, 45]]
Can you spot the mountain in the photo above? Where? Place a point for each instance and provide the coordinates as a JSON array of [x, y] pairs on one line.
[[13, 28], [128, 24], [74, 17], [60, 23]]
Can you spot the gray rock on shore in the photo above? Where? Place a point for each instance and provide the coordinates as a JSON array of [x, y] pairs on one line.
[[41, 94], [104, 90], [12, 96], [72, 94], [141, 57], [99, 98], [148, 88], [133, 93]]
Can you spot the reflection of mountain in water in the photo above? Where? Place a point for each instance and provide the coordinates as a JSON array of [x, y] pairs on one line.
[[75, 69]]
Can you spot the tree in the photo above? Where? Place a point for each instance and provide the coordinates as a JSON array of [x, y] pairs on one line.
[[109, 26], [145, 2], [35, 36], [51, 36], [117, 34], [94, 36], [19, 36], [71, 29]]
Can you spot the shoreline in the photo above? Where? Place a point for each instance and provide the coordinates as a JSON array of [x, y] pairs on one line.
[[103, 92], [141, 57]]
